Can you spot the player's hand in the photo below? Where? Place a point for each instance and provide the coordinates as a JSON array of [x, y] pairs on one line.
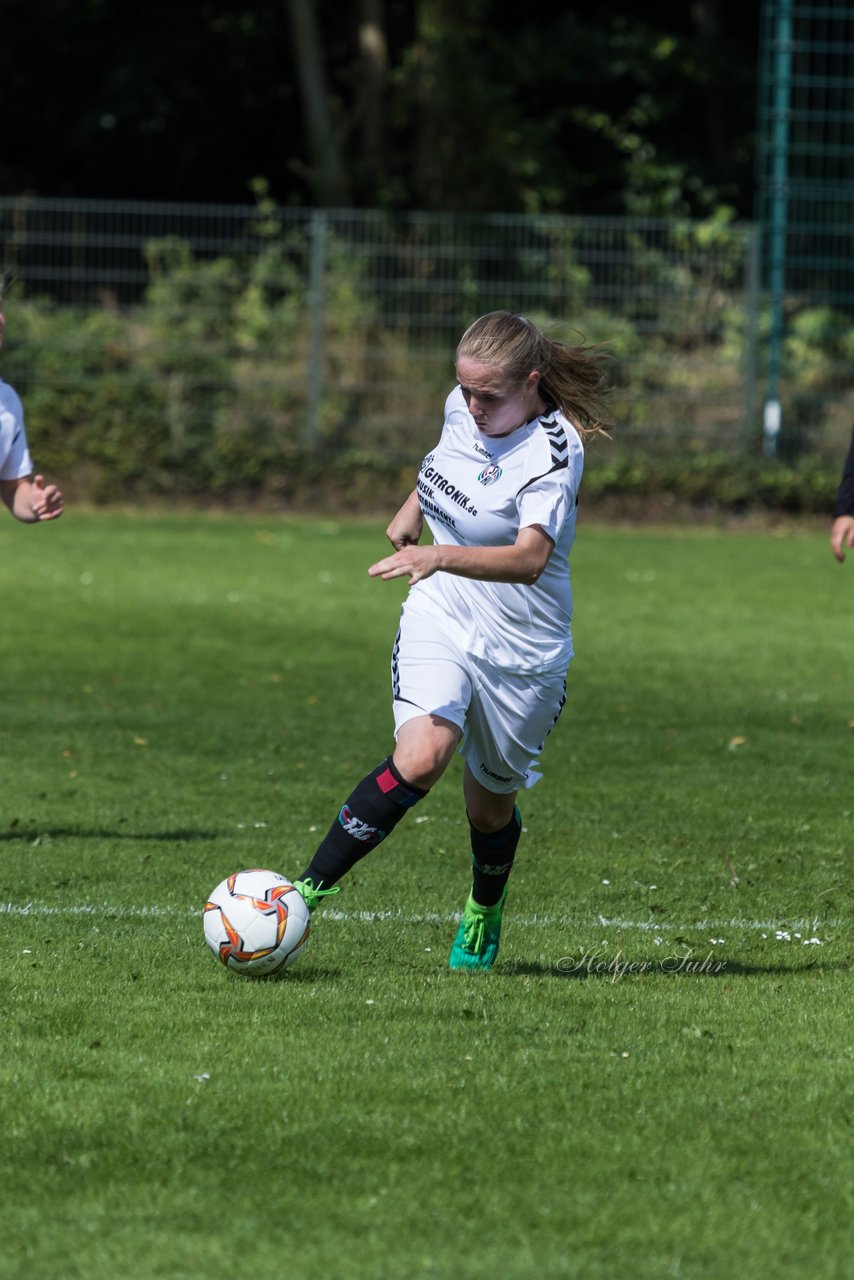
[[842, 536], [45, 500], [415, 563], [405, 528], [400, 538]]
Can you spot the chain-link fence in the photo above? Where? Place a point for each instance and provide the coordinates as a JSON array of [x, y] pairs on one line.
[[806, 205], [339, 327]]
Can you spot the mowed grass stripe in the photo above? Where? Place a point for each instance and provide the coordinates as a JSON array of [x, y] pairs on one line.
[[397, 916]]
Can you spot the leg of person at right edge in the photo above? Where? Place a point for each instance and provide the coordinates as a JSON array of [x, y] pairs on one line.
[[495, 827], [425, 746]]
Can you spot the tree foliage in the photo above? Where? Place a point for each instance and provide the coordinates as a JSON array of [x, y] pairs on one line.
[[483, 106]]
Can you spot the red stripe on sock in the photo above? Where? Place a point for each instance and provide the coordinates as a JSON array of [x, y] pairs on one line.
[[386, 781]]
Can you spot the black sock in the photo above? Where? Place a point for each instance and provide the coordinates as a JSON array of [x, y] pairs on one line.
[[492, 857], [371, 813]]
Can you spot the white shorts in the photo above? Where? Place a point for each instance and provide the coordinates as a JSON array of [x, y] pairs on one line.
[[505, 717]]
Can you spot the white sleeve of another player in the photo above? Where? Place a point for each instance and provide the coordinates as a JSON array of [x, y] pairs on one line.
[[15, 460]]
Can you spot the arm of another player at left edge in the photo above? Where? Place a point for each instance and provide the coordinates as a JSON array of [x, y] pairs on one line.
[[522, 562], [31, 501]]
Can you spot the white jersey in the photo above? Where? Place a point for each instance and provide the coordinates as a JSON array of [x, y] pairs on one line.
[[477, 490], [15, 460]]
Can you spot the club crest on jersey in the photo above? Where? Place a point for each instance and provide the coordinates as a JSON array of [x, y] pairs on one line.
[[489, 474]]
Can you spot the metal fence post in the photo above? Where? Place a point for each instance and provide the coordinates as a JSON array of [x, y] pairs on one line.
[[779, 195], [317, 236], [752, 290]]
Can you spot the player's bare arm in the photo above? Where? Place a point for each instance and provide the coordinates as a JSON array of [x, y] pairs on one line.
[[31, 501], [405, 528], [842, 536], [522, 562]]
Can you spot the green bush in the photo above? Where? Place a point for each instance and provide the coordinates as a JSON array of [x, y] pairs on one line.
[[720, 480]]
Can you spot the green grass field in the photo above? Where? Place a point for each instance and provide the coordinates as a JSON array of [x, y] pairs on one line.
[[655, 1079]]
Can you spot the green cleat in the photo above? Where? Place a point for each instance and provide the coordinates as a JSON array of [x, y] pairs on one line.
[[476, 943], [312, 894]]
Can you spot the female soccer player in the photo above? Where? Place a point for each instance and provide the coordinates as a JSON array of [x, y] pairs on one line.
[[484, 643], [28, 500]]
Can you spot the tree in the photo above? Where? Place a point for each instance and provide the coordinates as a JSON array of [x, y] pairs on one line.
[[401, 104], [371, 90], [328, 182]]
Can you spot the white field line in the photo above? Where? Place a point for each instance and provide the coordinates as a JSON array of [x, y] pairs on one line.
[[706, 924]]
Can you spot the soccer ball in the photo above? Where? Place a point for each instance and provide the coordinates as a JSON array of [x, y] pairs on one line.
[[256, 922]]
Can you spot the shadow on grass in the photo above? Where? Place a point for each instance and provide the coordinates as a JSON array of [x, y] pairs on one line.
[[694, 966], [33, 835]]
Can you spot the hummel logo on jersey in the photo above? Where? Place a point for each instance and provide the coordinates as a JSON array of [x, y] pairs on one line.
[[490, 473], [358, 829]]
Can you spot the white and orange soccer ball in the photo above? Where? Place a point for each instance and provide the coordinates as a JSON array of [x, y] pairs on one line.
[[256, 922]]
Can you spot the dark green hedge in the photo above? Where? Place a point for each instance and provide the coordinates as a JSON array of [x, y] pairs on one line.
[[729, 482]]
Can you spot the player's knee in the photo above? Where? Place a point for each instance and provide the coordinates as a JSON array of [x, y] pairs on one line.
[[492, 815], [488, 811], [420, 768], [425, 750]]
